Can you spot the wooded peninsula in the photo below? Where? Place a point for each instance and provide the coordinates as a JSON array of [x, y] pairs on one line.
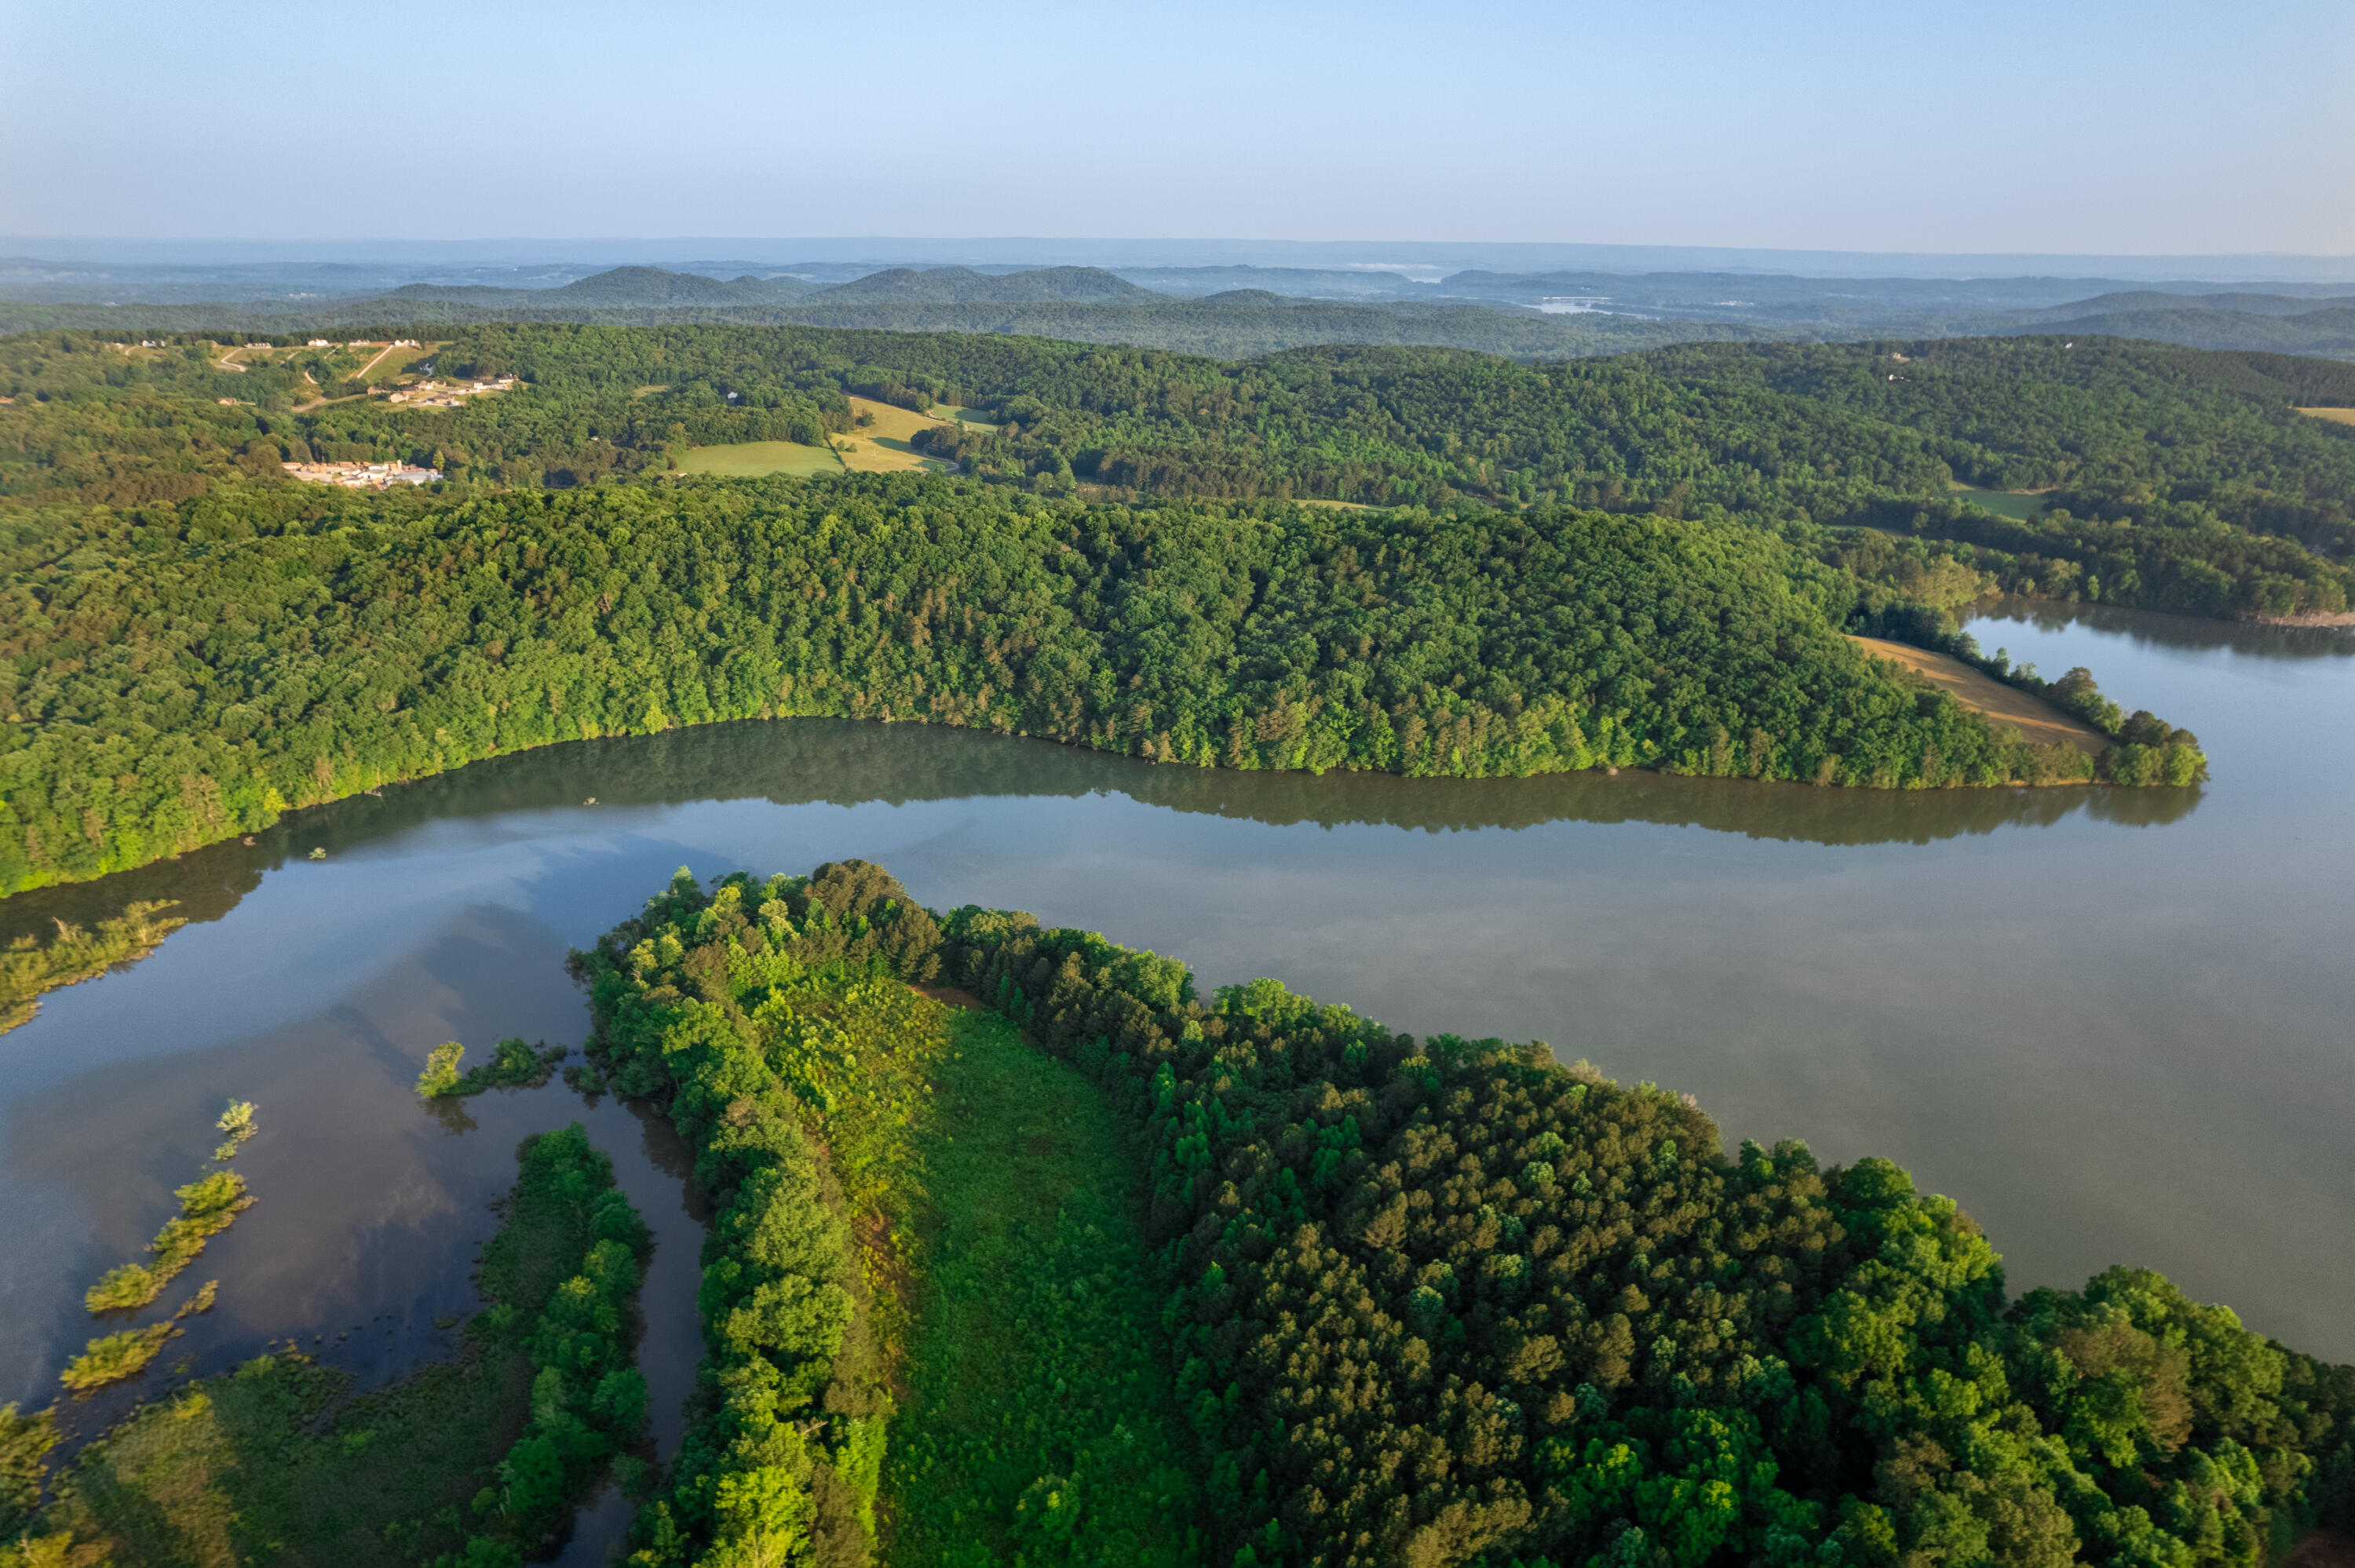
[[1024, 1251]]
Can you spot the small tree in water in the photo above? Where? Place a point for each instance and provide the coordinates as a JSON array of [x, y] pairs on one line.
[[441, 1075], [238, 1123]]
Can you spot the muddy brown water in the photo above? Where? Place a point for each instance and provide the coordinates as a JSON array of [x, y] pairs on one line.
[[2115, 1025]]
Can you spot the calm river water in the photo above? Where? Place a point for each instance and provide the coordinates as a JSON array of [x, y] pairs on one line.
[[2115, 1026]]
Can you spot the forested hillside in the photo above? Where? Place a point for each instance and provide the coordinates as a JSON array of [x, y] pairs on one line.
[[1433, 1302], [2172, 479], [1228, 325], [183, 673]]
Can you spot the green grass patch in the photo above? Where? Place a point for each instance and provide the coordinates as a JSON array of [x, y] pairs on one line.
[[864, 1054], [2019, 505], [279, 1461], [1040, 1418], [749, 460]]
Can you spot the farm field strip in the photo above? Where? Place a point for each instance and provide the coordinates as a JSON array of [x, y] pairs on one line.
[[2039, 721]]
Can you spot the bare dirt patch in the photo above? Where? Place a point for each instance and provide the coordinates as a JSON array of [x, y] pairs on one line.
[[2039, 721]]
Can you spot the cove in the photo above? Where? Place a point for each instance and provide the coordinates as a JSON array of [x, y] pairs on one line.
[[2112, 1024]]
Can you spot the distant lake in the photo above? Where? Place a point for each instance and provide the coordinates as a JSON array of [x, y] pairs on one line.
[[2115, 1025]]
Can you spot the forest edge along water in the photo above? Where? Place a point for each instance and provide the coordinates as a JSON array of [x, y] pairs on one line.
[[487, 808]]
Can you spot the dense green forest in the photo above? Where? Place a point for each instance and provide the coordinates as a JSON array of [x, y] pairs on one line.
[[1432, 1302], [184, 673], [471, 1462], [877, 1238], [1230, 325], [2175, 479]]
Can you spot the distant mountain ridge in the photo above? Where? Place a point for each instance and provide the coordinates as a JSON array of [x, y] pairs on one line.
[[1491, 312], [645, 288], [2326, 334], [2160, 300], [963, 286]]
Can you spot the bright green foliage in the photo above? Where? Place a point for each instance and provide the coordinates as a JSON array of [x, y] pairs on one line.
[[116, 1357], [513, 1065], [275, 648], [28, 968], [238, 1123], [440, 1076], [24, 1444], [1040, 1418], [1445, 1301], [281, 1461], [900, 1201], [804, 1322], [1654, 1356], [587, 1402], [207, 1206]]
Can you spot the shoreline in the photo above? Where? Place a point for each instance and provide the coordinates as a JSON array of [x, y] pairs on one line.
[[2311, 618]]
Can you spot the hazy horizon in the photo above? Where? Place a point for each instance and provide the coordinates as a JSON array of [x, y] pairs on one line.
[[2001, 130], [1425, 261]]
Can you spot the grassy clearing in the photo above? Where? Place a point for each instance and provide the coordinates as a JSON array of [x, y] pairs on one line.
[[962, 415], [390, 366], [278, 1461], [1040, 1418], [992, 1195], [865, 1057], [2041, 721], [750, 460], [271, 1462], [883, 446], [2336, 416], [2023, 505]]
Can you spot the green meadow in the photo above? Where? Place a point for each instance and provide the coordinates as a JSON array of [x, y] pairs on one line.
[[1040, 1404], [750, 460]]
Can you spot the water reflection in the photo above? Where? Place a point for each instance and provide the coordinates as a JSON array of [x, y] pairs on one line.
[[2111, 1047], [844, 762], [370, 1203], [2189, 632]]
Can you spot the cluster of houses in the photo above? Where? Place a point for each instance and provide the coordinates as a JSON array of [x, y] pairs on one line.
[[361, 475], [436, 395]]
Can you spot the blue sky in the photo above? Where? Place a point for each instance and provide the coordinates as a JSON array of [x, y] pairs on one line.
[[2186, 129]]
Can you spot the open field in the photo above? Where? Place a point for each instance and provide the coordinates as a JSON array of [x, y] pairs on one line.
[[882, 446], [2026, 505], [1037, 1383], [750, 460], [2041, 721], [960, 414], [378, 364], [2336, 416], [394, 365]]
